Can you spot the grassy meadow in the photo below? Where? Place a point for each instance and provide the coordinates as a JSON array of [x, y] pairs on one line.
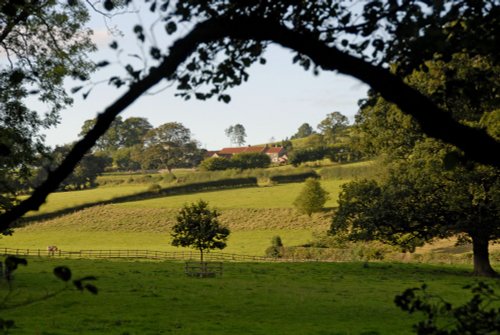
[[62, 200], [153, 297], [250, 298], [254, 216]]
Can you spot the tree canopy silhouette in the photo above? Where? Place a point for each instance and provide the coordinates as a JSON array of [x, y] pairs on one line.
[[378, 43]]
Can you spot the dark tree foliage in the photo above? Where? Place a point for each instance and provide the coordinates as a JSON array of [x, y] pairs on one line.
[[216, 164], [476, 316], [304, 130], [300, 156], [227, 38], [250, 160], [42, 42], [83, 176], [431, 190], [198, 227], [421, 200]]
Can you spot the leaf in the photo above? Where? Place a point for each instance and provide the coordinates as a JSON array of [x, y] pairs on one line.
[[63, 273], [114, 45], [164, 6], [102, 63], [91, 288], [11, 262], [155, 53], [76, 89], [200, 96], [224, 97], [152, 8], [138, 29], [171, 28], [78, 284], [451, 160], [86, 94], [108, 5]]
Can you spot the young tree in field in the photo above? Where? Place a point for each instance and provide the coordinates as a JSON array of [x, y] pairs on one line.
[[312, 198], [236, 134], [198, 227]]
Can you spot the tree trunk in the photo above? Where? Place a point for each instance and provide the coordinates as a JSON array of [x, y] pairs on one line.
[[482, 266], [201, 255]]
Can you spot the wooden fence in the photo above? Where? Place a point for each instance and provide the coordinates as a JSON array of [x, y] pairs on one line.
[[144, 254]]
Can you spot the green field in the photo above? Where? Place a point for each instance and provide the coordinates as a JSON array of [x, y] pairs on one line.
[[147, 297], [254, 216], [62, 200], [278, 196], [283, 298]]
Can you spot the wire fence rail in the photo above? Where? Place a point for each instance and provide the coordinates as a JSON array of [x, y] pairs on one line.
[[139, 254]]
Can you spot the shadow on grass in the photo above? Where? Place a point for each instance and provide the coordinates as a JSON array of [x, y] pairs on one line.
[[460, 249], [164, 192]]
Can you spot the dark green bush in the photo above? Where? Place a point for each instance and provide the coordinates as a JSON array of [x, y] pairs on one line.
[[276, 250], [155, 188], [293, 178]]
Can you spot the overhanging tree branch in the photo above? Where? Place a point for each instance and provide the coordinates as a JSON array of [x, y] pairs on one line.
[[475, 143]]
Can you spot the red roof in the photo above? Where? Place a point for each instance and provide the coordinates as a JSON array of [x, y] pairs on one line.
[[274, 150], [261, 149]]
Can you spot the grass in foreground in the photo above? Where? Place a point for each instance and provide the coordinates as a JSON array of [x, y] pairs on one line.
[[288, 298]]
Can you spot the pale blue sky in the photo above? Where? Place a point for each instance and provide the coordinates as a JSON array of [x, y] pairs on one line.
[[276, 100]]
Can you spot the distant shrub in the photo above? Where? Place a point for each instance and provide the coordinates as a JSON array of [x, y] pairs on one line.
[[307, 155], [293, 178], [276, 250], [168, 178], [155, 188], [215, 164], [311, 198], [349, 171], [250, 160]]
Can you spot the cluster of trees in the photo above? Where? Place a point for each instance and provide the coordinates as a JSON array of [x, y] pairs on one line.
[[430, 190], [333, 140], [134, 144], [242, 161]]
